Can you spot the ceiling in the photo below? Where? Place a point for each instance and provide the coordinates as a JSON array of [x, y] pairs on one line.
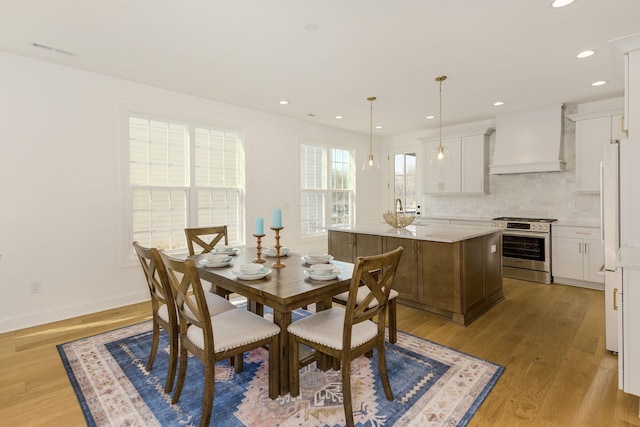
[[327, 56]]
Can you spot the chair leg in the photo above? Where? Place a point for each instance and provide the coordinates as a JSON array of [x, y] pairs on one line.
[[173, 360], [182, 373], [238, 362], [209, 390], [154, 344], [346, 392], [393, 328], [382, 366], [294, 373]]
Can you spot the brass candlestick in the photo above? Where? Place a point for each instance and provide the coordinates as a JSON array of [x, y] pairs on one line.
[[278, 264], [259, 258]]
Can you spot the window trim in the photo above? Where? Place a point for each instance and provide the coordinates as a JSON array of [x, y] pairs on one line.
[[127, 255]]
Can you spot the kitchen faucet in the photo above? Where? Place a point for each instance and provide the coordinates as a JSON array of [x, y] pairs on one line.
[[398, 201]]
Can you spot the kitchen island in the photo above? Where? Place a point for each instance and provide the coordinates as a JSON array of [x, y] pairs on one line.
[[450, 270]]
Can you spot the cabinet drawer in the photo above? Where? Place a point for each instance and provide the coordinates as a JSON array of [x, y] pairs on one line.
[[576, 232]]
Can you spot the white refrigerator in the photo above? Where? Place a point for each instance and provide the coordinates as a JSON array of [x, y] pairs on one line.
[[615, 164]]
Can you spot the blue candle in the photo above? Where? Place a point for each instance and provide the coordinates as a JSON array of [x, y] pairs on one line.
[[259, 226], [276, 218]]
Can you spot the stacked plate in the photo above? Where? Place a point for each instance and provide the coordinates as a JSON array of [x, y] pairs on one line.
[[214, 260], [271, 252], [317, 258], [259, 274], [323, 271]]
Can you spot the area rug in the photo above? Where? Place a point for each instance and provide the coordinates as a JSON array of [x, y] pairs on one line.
[[433, 385]]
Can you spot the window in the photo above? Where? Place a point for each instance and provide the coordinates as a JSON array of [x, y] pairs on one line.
[[327, 188], [183, 175], [405, 180]]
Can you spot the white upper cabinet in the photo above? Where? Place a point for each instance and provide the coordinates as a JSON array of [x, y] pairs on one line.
[[467, 169]]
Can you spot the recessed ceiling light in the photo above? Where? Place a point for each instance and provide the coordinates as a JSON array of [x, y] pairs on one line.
[[283, 102], [339, 117], [498, 103], [431, 117], [599, 83], [585, 54], [378, 127], [561, 3]]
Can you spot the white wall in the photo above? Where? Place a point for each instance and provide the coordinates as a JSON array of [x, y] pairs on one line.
[[61, 219]]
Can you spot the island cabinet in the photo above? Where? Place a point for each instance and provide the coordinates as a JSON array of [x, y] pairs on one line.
[[460, 280], [345, 246]]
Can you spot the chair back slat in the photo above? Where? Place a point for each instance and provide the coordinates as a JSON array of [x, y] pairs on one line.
[[213, 236], [185, 282], [155, 274], [377, 273]]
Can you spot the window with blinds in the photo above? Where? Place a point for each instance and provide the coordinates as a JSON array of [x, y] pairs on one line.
[[326, 188], [183, 175]]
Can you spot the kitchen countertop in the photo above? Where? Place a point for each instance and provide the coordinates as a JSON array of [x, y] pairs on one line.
[[432, 232], [578, 223], [628, 258]]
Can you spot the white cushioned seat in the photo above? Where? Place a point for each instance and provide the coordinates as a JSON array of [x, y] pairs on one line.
[[326, 326], [216, 304], [234, 328]]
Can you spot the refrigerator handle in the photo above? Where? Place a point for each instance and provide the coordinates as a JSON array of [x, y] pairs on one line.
[[601, 202]]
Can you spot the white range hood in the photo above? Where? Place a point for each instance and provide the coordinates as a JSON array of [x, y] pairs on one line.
[[529, 141]]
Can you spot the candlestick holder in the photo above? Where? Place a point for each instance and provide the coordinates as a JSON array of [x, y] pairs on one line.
[[259, 258], [278, 263]]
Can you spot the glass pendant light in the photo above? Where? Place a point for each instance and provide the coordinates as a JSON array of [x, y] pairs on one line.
[[371, 163], [440, 155]]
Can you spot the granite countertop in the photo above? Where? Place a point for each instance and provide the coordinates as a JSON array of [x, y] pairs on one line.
[[432, 232], [628, 258]]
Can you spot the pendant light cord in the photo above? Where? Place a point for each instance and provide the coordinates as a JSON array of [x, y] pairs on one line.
[[441, 79]]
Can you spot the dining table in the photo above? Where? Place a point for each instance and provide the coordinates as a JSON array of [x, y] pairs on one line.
[[284, 289]]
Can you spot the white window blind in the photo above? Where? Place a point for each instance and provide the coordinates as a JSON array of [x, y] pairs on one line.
[[182, 175], [327, 188]]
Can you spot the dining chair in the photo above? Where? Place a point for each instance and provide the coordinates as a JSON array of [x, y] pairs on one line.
[[363, 291], [163, 309], [206, 238], [345, 333], [214, 338]]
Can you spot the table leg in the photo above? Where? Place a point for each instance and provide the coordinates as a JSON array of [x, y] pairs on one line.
[[283, 319]]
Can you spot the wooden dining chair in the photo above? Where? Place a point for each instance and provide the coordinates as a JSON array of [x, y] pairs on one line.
[[214, 338], [206, 238], [163, 309], [363, 291], [345, 333]]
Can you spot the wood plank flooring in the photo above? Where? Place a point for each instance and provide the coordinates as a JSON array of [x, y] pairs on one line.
[[550, 338]]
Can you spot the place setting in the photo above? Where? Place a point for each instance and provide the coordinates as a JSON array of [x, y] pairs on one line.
[[272, 252], [251, 271], [323, 271], [317, 258], [225, 250], [214, 260]]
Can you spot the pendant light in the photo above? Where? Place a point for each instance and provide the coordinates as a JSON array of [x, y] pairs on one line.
[[440, 155], [371, 163]]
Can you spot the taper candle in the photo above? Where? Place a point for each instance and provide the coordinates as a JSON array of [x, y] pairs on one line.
[[276, 218], [259, 227]]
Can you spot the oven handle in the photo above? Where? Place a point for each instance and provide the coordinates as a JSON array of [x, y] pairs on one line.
[[524, 234]]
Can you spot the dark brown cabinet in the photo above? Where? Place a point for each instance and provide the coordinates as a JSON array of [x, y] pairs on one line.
[[459, 280]]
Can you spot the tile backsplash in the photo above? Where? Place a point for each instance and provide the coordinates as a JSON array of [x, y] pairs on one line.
[[544, 195]]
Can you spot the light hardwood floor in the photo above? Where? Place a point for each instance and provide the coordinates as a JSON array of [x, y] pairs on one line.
[[550, 338]]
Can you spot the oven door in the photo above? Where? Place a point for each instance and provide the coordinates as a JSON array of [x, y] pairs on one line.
[[526, 249]]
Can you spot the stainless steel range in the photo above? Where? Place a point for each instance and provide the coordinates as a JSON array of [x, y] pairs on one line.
[[526, 248]]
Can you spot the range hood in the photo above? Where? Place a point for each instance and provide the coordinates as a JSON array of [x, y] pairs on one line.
[[529, 141]]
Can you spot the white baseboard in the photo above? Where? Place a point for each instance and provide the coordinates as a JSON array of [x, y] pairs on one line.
[[13, 323], [578, 283]]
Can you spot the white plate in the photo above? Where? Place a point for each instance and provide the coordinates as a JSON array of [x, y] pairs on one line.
[[234, 252], [273, 254], [331, 276], [262, 273], [209, 264], [312, 261]]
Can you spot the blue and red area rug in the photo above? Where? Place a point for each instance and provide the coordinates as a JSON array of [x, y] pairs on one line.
[[433, 386]]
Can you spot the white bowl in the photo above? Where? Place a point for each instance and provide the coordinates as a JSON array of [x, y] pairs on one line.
[[214, 258], [283, 250], [322, 269], [317, 256], [250, 268], [224, 249]]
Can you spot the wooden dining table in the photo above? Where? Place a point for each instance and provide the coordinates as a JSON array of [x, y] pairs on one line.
[[283, 290]]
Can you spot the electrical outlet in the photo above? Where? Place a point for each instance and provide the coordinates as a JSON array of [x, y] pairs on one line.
[[35, 287]]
